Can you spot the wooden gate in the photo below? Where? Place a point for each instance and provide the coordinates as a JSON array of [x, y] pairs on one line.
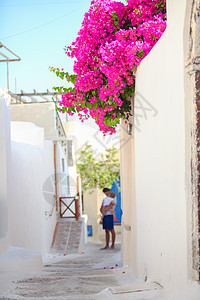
[[70, 206]]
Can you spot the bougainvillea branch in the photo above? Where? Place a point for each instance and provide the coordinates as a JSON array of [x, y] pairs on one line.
[[114, 39]]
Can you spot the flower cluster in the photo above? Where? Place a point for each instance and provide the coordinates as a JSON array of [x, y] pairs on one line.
[[114, 38]]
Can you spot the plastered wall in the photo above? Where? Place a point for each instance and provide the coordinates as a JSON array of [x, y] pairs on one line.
[[157, 210], [4, 167], [92, 203], [41, 114], [31, 164]]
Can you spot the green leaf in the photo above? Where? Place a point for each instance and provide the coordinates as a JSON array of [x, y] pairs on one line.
[[89, 105], [95, 105], [140, 53]]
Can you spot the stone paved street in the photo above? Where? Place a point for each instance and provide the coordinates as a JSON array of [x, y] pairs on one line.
[[95, 274]]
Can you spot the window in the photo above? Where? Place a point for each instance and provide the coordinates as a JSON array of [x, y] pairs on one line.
[[69, 153], [63, 165]]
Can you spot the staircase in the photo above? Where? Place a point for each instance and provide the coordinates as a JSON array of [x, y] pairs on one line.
[[68, 236]]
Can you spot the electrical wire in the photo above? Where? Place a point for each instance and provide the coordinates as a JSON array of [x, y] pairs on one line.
[[40, 4], [37, 27]]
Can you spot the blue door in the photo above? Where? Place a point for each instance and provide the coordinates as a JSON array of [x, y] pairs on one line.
[[118, 210]]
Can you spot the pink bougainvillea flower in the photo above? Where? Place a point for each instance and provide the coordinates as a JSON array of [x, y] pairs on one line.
[[114, 38]]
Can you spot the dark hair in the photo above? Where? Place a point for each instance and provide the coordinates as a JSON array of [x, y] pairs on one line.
[[106, 190], [112, 195]]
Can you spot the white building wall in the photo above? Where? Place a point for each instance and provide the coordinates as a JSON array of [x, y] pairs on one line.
[[32, 165], [41, 114], [92, 203], [4, 168], [49, 202], [158, 216], [27, 175], [129, 217], [160, 159]]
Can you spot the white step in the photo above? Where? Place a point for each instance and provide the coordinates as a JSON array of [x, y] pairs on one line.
[[20, 259]]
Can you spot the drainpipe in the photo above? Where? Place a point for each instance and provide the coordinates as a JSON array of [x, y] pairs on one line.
[[55, 176]]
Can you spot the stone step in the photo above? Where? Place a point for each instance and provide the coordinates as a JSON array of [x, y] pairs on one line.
[[67, 236]]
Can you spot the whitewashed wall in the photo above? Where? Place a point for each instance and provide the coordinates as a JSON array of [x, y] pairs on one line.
[[49, 202], [27, 214], [4, 168], [32, 164], [160, 158], [157, 214], [129, 218], [92, 203], [41, 114]]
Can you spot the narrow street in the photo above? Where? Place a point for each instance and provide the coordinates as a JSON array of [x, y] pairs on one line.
[[95, 274]]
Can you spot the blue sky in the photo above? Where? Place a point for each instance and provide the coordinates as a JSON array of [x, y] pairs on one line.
[[37, 31]]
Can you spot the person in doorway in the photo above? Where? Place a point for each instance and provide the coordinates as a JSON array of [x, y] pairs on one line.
[[107, 205]]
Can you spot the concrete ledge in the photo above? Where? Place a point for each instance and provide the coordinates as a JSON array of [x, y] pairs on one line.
[[20, 259], [82, 237], [143, 291]]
